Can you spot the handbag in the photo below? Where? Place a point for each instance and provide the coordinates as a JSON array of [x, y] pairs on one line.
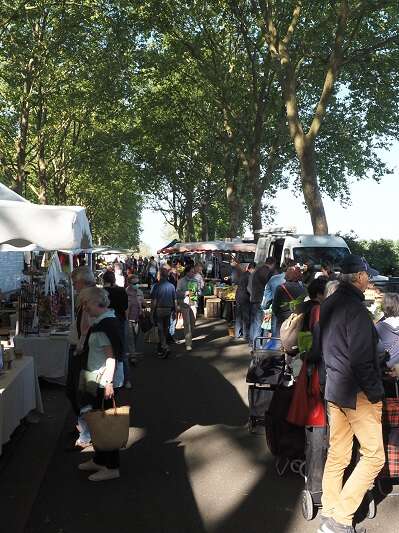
[[289, 332], [109, 429], [307, 407], [179, 321]]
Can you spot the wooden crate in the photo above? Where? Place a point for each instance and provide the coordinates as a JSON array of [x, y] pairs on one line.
[[212, 308]]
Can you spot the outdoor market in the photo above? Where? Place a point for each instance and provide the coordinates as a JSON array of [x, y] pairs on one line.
[[199, 266]]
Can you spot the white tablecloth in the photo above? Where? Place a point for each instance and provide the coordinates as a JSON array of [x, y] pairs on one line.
[[19, 394], [50, 355]]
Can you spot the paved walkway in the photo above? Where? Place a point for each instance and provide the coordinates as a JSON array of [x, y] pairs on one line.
[[191, 466]]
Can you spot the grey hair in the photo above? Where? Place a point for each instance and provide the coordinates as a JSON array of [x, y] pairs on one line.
[[95, 295], [390, 304], [83, 273], [348, 278], [331, 287]]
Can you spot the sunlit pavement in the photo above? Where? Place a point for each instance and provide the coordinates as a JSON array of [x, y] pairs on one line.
[[191, 465]]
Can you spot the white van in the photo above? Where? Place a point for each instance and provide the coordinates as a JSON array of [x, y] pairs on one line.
[[285, 245]]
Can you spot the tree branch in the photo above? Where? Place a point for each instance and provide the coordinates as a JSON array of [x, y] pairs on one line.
[[335, 64]]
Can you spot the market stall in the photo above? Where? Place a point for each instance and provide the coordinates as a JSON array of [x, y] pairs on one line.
[[19, 395], [218, 258], [215, 255], [45, 304]]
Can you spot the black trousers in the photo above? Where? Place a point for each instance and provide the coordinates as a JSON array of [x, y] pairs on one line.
[[72, 384], [162, 316], [110, 459]]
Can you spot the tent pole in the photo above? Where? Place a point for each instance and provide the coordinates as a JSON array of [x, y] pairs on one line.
[[72, 289]]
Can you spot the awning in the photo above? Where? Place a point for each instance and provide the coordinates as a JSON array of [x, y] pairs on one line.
[[26, 227], [210, 246]]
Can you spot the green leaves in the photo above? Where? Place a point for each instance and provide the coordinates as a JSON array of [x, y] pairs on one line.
[[77, 118]]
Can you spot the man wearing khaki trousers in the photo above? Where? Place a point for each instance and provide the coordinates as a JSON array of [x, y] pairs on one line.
[[354, 393]]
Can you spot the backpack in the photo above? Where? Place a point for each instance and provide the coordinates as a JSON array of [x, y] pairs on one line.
[[290, 328]]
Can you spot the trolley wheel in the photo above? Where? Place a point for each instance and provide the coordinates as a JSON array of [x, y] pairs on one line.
[[372, 509], [309, 509]]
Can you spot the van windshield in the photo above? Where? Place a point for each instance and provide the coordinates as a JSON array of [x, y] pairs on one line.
[[321, 254]]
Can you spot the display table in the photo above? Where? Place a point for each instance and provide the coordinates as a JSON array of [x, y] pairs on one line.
[[50, 355], [19, 395]]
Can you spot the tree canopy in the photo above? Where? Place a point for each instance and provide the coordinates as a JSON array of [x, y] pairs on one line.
[[201, 110]]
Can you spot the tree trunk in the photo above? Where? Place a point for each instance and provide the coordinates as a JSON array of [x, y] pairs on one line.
[[41, 159], [234, 207], [257, 190], [21, 143], [204, 222], [311, 188], [189, 226]]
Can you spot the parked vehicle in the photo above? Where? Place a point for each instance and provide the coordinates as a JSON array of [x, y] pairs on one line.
[[287, 244]]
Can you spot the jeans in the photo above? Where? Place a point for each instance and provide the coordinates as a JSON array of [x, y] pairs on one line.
[[275, 331], [255, 329], [133, 333], [84, 431], [364, 423], [163, 315], [242, 320]]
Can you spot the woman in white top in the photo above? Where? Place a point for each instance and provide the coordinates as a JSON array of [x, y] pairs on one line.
[[103, 374]]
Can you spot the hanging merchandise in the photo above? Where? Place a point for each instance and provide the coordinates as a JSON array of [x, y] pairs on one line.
[[53, 276]]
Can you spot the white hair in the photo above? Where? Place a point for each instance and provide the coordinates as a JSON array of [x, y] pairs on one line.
[[331, 287], [94, 295]]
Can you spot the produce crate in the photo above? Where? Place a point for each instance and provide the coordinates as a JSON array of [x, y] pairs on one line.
[[212, 308]]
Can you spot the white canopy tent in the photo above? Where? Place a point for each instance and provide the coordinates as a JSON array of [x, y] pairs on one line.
[[27, 227]]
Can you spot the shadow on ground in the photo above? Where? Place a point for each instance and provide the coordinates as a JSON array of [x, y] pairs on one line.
[[155, 494]]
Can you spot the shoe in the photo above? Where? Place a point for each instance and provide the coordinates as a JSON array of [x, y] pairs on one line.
[[163, 354], [90, 466], [332, 526], [82, 445], [105, 474], [128, 385], [189, 348]]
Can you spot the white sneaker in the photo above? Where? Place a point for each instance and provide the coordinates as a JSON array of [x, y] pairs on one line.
[[90, 466], [189, 348], [105, 474]]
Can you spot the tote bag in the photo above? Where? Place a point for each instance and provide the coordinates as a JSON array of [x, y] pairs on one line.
[[109, 429]]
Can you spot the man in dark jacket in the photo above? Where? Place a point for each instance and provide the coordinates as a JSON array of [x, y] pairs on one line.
[[260, 277], [243, 304], [354, 392]]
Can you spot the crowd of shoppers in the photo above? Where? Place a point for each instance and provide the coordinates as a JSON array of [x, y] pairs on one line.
[[347, 349]]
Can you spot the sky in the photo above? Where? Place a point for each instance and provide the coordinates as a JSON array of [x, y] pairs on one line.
[[373, 213]]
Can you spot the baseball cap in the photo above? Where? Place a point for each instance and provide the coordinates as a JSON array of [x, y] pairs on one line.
[[353, 264]]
